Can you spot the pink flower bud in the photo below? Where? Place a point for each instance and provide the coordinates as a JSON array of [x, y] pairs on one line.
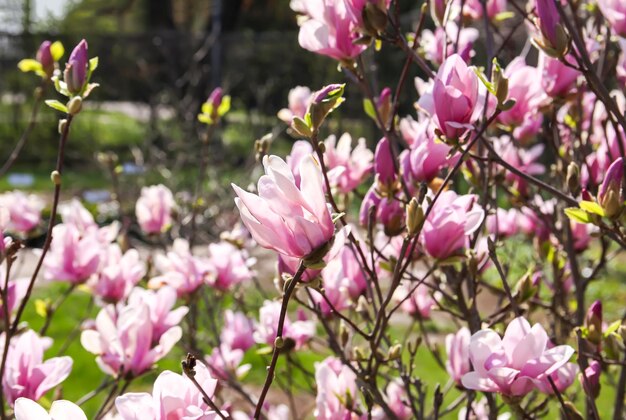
[[383, 163], [548, 19], [215, 98], [44, 56], [591, 380], [593, 322], [75, 74], [610, 192]]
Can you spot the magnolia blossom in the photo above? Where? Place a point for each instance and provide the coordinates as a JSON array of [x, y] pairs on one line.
[[72, 257], [119, 274], [517, 363], [331, 29], [503, 222], [415, 299], [225, 362], [154, 209], [526, 160], [16, 290], [161, 304], [27, 409], [237, 331], [615, 12], [454, 101], [123, 338], [300, 150], [229, 265], [347, 167], [557, 79], [426, 156], [75, 74], [299, 331], [336, 391], [299, 99], [457, 348], [74, 213], [24, 211], [479, 410], [26, 373], [525, 87], [437, 46], [174, 397], [451, 221], [291, 220], [180, 269], [389, 212], [474, 10]]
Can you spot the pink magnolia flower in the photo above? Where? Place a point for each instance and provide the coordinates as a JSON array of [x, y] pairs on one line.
[[415, 300], [24, 211], [347, 167], [180, 269], [289, 265], [473, 9], [345, 268], [237, 331], [454, 101], [154, 209], [426, 156], [161, 304], [335, 382], [124, 341], [457, 348], [515, 364], [479, 410], [299, 331], [384, 164], [525, 87], [72, 258], [225, 363], [299, 99], [331, 29], [614, 11], [26, 373], [397, 400], [229, 265], [27, 409], [526, 160], [503, 222], [437, 46], [74, 213], [16, 290], [291, 220], [447, 227], [591, 379], [389, 212], [548, 20], [75, 74], [300, 150], [174, 397], [118, 275], [557, 79]]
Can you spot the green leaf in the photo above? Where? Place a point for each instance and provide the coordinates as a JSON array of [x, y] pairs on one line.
[[205, 119], [484, 81], [224, 106], [613, 328], [368, 107], [264, 351], [578, 215], [54, 104], [500, 17], [29, 64], [592, 207], [93, 64], [57, 50]]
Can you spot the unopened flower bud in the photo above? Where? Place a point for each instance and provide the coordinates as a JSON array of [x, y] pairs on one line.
[[344, 334], [75, 105], [358, 354], [573, 178], [554, 41], [593, 322], [374, 19], [591, 380], [383, 104], [62, 125], [55, 177], [414, 217], [500, 83], [279, 342], [75, 75], [44, 56], [525, 288], [324, 102], [610, 192], [395, 352]]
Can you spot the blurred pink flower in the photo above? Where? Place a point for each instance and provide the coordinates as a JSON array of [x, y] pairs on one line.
[[434, 43], [16, 289], [503, 223], [473, 9], [174, 397], [515, 364], [418, 302], [229, 265], [300, 150], [557, 79], [457, 348], [347, 167], [225, 362], [180, 269], [591, 379], [27, 409], [237, 331], [299, 331], [163, 316], [74, 213], [24, 211], [154, 209], [426, 156], [298, 100], [389, 212], [26, 373], [72, 258], [451, 221], [331, 29], [118, 275], [614, 12], [336, 391], [526, 160], [124, 340], [294, 221]]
